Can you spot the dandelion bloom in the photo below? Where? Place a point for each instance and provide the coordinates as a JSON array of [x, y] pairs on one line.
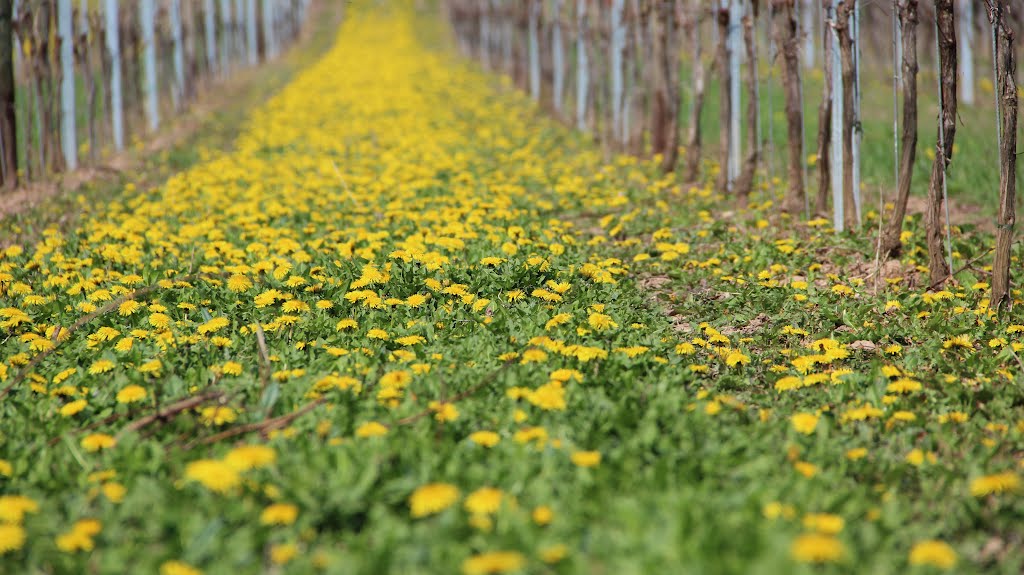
[[152, 366], [444, 411], [586, 458], [806, 469], [283, 553], [159, 320], [279, 514], [856, 453], [804, 423], [98, 441], [817, 548], [214, 325], [73, 408], [217, 415], [542, 515], [493, 562], [178, 568], [131, 394], [215, 475], [736, 358], [89, 527], [114, 492], [601, 322], [483, 501], [14, 507], [249, 457], [933, 552], [12, 537], [554, 553], [371, 429], [432, 498], [128, 307], [73, 541], [239, 283], [101, 366], [826, 523], [485, 438], [1007, 481]]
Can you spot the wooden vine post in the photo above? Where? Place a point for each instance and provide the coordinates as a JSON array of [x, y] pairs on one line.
[[8, 138], [1005, 67], [938, 267], [891, 245], [788, 41]]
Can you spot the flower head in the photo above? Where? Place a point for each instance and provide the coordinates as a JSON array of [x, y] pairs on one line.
[[432, 498]]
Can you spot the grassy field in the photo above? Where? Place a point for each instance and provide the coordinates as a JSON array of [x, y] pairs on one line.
[[407, 324]]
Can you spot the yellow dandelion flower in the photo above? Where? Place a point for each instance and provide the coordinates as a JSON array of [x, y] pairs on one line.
[[128, 307], [806, 469], [215, 475], [817, 548], [213, 326], [553, 554], [14, 507], [101, 366], [1005, 482], [856, 453], [542, 515], [248, 457], [485, 438], [178, 568], [804, 423], [431, 499], [586, 458], [12, 538], [159, 320], [601, 322], [217, 415], [131, 394], [484, 501], [73, 408], [826, 523], [239, 283], [934, 553], [283, 553], [114, 492], [736, 358], [493, 562], [279, 514], [98, 441]]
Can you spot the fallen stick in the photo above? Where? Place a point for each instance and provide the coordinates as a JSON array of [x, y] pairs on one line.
[[262, 426], [171, 410]]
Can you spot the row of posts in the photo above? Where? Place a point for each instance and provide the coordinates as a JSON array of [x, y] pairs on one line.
[[233, 33]]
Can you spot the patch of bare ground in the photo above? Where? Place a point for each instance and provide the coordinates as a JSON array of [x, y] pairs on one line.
[[959, 213]]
